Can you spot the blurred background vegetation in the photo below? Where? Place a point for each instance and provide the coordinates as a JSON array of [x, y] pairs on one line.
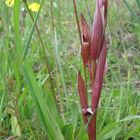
[[37, 46]]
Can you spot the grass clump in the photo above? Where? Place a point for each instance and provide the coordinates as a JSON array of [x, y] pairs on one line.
[[40, 59]]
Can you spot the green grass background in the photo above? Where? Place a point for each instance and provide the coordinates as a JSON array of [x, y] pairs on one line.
[[28, 108]]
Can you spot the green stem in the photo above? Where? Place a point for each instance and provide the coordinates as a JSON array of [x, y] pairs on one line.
[[76, 16], [43, 47]]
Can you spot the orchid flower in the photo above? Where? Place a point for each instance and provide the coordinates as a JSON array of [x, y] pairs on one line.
[[93, 52]]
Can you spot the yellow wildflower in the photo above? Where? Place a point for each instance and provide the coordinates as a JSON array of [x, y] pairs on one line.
[[34, 7], [9, 3]]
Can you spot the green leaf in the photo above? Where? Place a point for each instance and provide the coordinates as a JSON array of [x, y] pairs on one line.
[[131, 10], [138, 3], [15, 126], [17, 27], [130, 118], [31, 32], [109, 131], [45, 112], [68, 132]]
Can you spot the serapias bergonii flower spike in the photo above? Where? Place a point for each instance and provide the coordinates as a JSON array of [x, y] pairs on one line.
[[93, 52]]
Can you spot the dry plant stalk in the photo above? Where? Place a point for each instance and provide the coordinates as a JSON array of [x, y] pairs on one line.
[[93, 52]]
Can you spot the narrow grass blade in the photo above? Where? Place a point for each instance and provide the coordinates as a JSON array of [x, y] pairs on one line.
[[108, 131], [31, 32], [2, 99], [130, 118], [132, 12], [138, 3], [17, 27], [60, 66], [44, 110]]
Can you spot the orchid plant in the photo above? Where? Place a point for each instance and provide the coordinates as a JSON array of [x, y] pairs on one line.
[[93, 52]]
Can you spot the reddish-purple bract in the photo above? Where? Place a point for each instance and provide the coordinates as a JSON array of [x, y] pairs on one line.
[[93, 52]]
